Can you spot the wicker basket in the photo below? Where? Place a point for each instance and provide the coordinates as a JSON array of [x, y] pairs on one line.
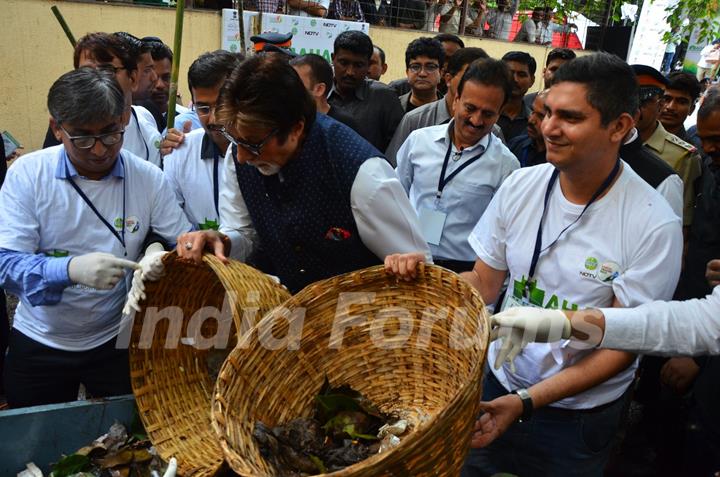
[[437, 386], [173, 387]]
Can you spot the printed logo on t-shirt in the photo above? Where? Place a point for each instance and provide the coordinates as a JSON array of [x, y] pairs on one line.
[[606, 273], [132, 224], [537, 297]]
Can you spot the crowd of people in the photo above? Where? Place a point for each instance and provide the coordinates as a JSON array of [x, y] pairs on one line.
[[444, 16], [589, 193]]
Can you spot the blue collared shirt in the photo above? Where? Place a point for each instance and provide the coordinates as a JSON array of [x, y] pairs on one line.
[[465, 197]]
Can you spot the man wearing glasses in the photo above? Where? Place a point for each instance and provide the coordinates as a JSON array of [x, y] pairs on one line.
[[683, 157], [423, 59], [75, 218], [116, 54], [451, 171], [195, 169], [321, 200]]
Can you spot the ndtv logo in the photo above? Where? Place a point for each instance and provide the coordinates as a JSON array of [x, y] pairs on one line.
[[312, 33], [329, 25]]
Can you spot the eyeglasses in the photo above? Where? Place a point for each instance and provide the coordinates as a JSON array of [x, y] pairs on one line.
[[88, 142], [203, 110], [110, 68], [430, 67], [254, 149]]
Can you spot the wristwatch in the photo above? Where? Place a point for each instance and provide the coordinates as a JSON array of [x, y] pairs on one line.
[[527, 403]]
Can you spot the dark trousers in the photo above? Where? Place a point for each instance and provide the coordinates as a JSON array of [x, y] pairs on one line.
[[554, 442], [37, 374]]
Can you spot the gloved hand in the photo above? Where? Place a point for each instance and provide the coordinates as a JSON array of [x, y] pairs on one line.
[[172, 468], [150, 268], [518, 326], [98, 270]]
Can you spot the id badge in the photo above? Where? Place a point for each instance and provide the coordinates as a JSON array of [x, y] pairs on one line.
[[431, 224]]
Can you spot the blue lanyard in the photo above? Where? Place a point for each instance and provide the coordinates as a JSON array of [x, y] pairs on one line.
[[444, 180], [538, 240], [216, 186], [118, 235], [147, 151]]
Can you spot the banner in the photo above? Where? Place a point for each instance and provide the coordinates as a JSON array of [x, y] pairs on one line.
[[310, 34], [647, 46]]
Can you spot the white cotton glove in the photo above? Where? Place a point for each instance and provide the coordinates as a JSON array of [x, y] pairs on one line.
[[518, 326], [172, 468], [150, 268], [98, 270]]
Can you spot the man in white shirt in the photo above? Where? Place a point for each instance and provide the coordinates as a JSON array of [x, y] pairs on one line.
[[451, 172], [320, 199], [195, 169], [582, 230], [75, 217], [112, 53]]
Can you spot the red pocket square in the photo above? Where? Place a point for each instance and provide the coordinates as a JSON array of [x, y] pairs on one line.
[[337, 234]]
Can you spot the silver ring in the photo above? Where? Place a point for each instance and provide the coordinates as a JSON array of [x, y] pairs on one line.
[[188, 245]]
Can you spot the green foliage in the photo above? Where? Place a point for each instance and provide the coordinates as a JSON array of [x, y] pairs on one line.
[[700, 14], [71, 464]]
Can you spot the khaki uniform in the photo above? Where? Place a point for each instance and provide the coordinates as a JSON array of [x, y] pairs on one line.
[[684, 158]]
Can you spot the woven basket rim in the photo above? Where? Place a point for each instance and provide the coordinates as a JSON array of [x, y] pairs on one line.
[[476, 369]]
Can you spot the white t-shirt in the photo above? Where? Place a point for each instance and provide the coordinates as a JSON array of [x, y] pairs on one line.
[[628, 245], [44, 214], [142, 137], [194, 176]]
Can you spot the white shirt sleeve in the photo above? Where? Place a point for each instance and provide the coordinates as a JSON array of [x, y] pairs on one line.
[[667, 328], [235, 221], [655, 268], [672, 189], [167, 219], [404, 168], [19, 227], [170, 172], [385, 219]]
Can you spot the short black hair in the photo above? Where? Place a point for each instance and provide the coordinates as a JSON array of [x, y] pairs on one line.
[[489, 72], [265, 91], [211, 69], [382, 54], [522, 58], [424, 46], [560, 54], [442, 37], [464, 56], [85, 96], [611, 83], [710, 103], [684, 82], [103, 47], [136, 46], [355, 42], [320, 69], [159, 50]]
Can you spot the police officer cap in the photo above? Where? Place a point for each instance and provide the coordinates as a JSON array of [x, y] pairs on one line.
[[268, 48], [650, 81], [272, 38]]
